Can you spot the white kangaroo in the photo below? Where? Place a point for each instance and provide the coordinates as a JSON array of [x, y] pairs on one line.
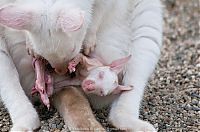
[[55, 29], [133, 26], [129, 26]]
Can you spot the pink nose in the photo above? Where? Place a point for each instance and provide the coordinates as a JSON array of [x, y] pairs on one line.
[[88, 85]]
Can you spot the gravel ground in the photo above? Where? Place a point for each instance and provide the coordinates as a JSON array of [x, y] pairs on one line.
[[172, 99]]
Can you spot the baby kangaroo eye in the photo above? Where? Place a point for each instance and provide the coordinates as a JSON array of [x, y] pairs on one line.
[[101, 74], [101, 93]]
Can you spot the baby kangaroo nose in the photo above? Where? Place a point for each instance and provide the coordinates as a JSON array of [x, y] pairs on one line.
[[88, 85]]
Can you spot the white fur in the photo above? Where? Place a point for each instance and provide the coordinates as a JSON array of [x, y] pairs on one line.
[[16, 65], [23, 115], [144, 24], [47, 36], [100, 8], [107, 84], [131, 26]]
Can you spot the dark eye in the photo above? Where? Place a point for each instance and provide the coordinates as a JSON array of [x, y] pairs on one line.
[[101, 93], [101, 75]]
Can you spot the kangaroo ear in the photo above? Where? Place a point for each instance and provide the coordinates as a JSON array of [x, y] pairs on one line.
[[118, 65], [91, 63], [70, 20], [16, 17], [121, 89]]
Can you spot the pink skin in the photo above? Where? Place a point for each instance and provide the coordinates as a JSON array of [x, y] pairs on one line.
[[87, 63], [121, 88], [71, 20], [92, 68], [72, 64], [49, 84], [44, 82], [17, 20], [88, 85], [99, 87], [104, 80]]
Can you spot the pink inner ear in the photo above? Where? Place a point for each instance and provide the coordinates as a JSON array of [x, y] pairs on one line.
[[121, 89], [71, 20], [15, 17], [118, 65], [91, 63]]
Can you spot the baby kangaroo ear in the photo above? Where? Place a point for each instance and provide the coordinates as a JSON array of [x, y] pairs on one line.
[[70, 20], [16, 17], [91, 63], [118, 65], [121, 89]]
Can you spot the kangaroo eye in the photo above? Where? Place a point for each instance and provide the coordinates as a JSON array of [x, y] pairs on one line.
[[101, 75], [101, 93]]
